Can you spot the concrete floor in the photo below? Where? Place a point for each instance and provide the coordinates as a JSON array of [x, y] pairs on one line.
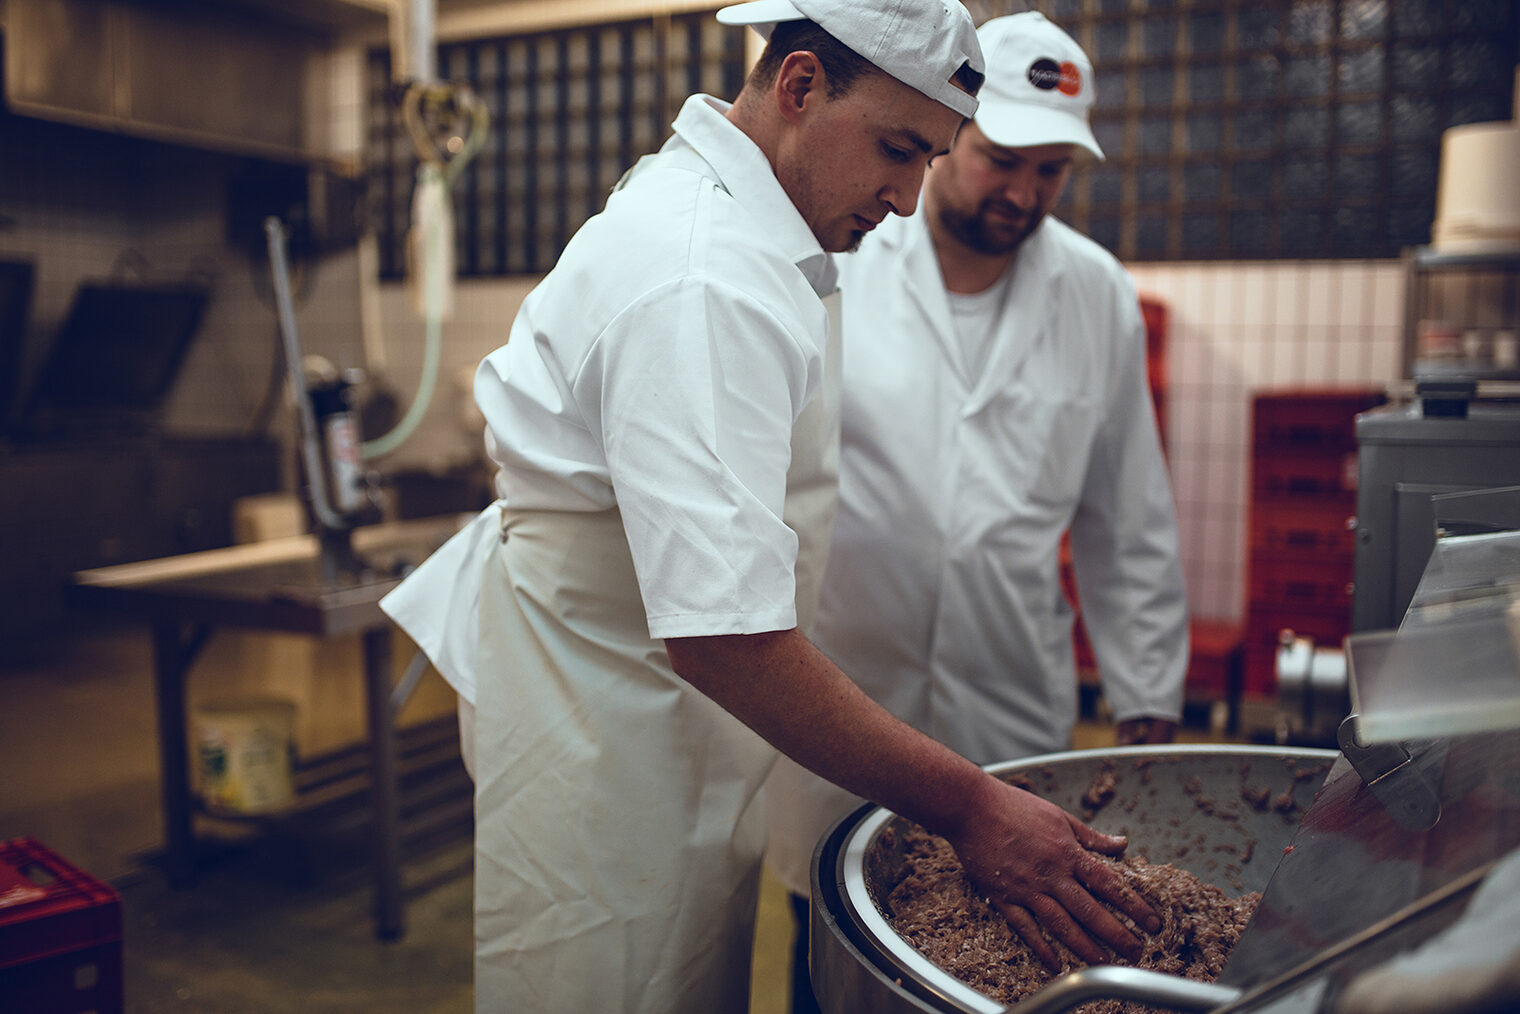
[[275, 921], [279, 919]]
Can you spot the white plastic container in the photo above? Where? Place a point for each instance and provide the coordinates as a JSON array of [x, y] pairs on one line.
[[244, 755], [1477, 201]]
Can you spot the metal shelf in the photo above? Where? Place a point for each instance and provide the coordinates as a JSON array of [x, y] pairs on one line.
[[1470, 300]]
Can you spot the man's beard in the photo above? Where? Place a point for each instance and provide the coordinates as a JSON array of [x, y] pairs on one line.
[[974, 230]]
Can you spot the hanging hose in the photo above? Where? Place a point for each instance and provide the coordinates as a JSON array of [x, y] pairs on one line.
[[432, 238], [431, 242]]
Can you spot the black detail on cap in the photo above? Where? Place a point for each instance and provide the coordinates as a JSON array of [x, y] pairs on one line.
[[1045, 74], [968, 77]]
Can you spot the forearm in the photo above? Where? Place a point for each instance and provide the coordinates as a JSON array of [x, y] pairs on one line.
[[789, 692], [1031, 858]]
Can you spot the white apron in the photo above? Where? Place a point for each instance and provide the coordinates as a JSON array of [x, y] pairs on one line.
[[619, 827]]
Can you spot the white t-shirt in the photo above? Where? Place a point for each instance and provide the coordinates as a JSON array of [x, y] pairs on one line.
[[976, 318]]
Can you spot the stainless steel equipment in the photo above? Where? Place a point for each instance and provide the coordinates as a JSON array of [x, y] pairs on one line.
[[1407, 460], [1386, 856], [342, 496], [1170, 800]]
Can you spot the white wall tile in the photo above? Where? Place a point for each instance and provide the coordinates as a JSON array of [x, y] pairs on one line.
[[1186, 410], [1253, 292], [1353, 361], [1190, 293], [1288, 296], [1387, 304], [1190, 353], [1255, 353], [1286, 352], [1145, 275], [1351, 289], [1223, 287], [1386, 361], [1223, 370], [1318, 362], [1315, 307], [1272, 275], [1242, 327], [1235, 436]]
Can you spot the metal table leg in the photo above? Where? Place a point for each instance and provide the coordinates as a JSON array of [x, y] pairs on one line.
[[383, 788], [174, 649]]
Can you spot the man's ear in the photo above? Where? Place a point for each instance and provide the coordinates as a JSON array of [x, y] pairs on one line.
[[801, 76]]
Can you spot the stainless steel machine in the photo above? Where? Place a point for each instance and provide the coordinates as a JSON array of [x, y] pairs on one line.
[[1391, 870], [1408, 460]]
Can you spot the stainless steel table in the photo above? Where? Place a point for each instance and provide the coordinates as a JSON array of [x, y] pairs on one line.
[[276, 585]]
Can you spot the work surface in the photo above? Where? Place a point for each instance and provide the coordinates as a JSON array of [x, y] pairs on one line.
[[279, 584]]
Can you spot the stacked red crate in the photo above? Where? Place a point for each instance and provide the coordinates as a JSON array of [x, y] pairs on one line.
[[1302, 522], [60, 935]]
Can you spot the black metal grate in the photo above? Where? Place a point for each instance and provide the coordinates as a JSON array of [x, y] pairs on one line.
[[571, 110], [1277, 129], [1269, 129]]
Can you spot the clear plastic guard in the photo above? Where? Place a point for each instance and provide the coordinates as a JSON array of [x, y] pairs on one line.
[[1453, 666]]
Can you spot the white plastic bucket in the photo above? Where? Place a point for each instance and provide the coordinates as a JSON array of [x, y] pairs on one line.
[[243, 751]]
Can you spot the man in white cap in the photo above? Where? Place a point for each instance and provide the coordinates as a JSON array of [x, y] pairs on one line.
[[623, 625], [995, 398]]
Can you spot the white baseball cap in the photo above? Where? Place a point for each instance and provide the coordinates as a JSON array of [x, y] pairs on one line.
[[922, 43], [1039, 84]]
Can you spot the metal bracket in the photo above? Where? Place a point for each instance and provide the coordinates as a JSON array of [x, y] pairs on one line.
[[1394, 776]]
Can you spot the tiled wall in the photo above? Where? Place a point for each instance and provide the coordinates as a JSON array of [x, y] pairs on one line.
[[1234, 327], [1239, 328]]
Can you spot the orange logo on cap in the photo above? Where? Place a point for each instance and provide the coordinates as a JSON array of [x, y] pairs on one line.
[[1071, 79]]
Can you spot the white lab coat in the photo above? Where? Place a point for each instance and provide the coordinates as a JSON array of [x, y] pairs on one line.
[[666, 419], [942, 596]]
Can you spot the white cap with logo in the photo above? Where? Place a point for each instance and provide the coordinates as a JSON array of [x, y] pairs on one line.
[[922, 43], [1039, 85]]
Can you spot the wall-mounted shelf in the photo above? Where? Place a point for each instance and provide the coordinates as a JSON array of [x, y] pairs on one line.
[[231, 76]]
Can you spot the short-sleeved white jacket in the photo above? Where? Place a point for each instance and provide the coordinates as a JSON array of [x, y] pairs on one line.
[[659, 369]]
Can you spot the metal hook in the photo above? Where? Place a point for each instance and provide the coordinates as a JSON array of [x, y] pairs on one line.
[[448, 124]]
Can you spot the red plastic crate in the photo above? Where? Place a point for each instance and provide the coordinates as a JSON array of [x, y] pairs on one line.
[[60, 935]]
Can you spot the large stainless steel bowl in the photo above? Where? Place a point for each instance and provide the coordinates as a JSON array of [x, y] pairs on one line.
[[1225, 813]]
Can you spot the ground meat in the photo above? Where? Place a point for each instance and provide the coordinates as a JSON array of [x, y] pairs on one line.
[[1100, 791], [1259, 796], [935, 908]]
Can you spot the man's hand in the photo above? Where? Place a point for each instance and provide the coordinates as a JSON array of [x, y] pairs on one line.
[[1037, 866], [1146, 730], [1035, 861]]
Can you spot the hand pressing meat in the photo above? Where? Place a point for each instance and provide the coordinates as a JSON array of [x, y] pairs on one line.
[[934, 906]]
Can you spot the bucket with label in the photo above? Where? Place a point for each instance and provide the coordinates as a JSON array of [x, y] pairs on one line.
[[244, 755]]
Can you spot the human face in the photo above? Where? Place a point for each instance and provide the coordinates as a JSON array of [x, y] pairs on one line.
[[854, 159], [990, 198]]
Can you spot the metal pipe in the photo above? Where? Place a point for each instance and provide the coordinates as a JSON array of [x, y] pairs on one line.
[[1118, 982], [421, 19], [311, 438]]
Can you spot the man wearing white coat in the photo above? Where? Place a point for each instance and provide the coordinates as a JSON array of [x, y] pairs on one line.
[[995, 396], [623, 625]]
